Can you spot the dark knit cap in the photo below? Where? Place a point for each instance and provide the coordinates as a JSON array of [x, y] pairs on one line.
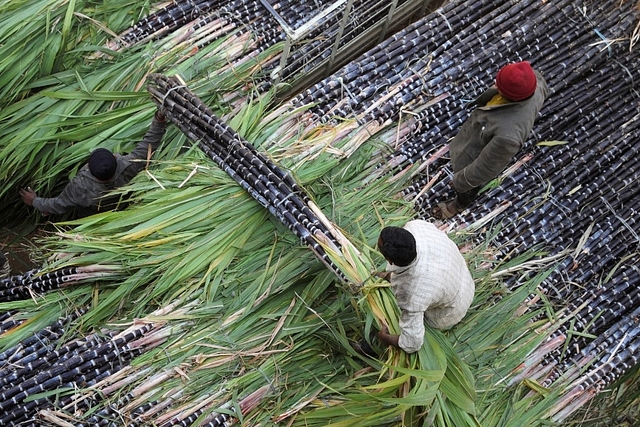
[[102, 164], [516, 81]]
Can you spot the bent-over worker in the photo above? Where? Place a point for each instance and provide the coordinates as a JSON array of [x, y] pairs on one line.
[[105, 171], [429, 278]]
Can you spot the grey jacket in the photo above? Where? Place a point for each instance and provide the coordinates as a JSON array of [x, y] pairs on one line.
[[491, 136], [86, 193]]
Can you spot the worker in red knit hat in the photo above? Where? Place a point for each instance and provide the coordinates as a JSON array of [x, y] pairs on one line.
[[493, 133]]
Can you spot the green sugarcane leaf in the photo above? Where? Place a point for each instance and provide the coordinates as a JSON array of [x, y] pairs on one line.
[[551, 143], [63, 391], [66, 29], [95, 96], [413, 399], [533, 385], [53, 45]]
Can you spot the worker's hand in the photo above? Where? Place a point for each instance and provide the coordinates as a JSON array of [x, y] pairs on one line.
[[384, 330], [160, 116], [385, 337], [28, 196], [450, 184], [384, 275]]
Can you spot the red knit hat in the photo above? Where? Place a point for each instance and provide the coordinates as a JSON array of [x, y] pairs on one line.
[[516, 81]]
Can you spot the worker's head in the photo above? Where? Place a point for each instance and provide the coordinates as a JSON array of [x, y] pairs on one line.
[[397, 245], [102, 164], [516, 81]]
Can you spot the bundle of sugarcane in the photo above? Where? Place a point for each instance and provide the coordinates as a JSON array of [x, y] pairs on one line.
[[595, 312], [217, 419], [179, 14], [608, 357], [41, 339], [139, 408], [127, 406], [35, 282], [593, 330], [200, 24], [599, 310], [320, 39], [338, 29], [598, 198], [273, 187], [167, 18]]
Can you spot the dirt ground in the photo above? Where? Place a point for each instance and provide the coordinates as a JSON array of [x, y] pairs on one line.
[[20, 248]]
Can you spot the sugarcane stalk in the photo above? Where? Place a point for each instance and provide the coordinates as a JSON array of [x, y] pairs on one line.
[[232, 146]]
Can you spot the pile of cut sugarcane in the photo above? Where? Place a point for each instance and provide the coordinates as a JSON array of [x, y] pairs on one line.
[[575, 186], [42, 370], [35, 282], [268, 183], [243, 17]]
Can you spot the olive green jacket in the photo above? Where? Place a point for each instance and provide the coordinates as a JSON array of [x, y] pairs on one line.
[[491, 136]]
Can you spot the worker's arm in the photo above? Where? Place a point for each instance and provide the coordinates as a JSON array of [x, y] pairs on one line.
[[152, 139], [384, 275], [411, 335], [490, 163], [72, 195]]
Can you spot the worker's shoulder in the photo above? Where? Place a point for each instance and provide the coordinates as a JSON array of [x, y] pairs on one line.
[[419, 227], [84, 180], [539, 75], [417, 223]]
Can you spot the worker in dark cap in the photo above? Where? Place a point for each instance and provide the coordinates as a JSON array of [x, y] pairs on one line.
[[494, 132], [103, 172]]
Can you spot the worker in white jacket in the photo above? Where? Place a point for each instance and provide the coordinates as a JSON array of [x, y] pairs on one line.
[[429, 278]]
